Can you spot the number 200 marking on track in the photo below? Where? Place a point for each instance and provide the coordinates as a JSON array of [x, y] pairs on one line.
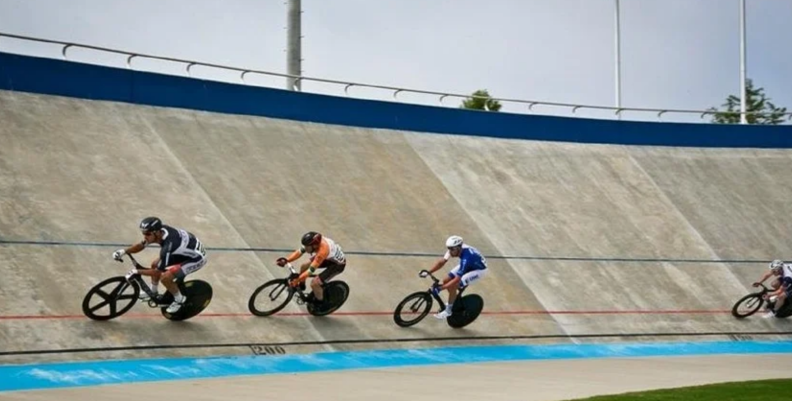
[[267, 350]]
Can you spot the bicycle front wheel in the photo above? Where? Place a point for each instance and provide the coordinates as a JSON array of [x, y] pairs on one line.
[[417, 304], [270, 297]]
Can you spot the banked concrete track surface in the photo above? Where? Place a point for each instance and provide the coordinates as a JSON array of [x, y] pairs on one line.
[[581, 239]]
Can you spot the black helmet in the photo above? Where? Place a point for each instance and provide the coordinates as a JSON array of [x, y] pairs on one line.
[[311, 238], [150, 224]]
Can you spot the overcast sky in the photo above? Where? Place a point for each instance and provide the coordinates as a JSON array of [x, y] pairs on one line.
[[675, 53]]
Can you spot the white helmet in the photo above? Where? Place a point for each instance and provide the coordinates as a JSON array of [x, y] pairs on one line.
[[453, 241], [776, 265]]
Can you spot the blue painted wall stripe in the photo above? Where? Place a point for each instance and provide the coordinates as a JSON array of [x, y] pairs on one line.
[[76, 374], [59, 77]]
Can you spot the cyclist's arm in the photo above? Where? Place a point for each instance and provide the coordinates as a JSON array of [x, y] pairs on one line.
[[777, 292], [438, 265], [295, 255], [165, 254], [135, 248], [765, 277], [321, 255]]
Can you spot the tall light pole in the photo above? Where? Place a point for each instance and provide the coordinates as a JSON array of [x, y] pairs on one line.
[[618, 58], [293, 44], [743, 94]]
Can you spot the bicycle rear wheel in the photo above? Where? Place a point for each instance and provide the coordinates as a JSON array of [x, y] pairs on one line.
[[785, 310], [336, 294], [268, 294], [199, 294], [466, 310]]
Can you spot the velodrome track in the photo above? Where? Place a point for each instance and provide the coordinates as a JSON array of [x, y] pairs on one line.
[[586, 243]]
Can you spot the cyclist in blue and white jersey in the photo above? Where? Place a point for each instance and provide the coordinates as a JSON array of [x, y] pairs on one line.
[[472, 266]]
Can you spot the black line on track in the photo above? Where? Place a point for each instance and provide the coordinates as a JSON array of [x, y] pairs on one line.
[[394, 340], [411, 254]]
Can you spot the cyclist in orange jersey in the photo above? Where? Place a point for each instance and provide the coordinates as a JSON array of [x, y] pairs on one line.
[[325, 254]]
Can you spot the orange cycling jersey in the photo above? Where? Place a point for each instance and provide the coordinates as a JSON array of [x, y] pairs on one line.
[[328, 251]]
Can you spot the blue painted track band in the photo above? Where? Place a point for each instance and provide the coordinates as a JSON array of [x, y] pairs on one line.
[[77, 374]]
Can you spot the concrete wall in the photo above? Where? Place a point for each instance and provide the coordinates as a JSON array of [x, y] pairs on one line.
[[58, 77]]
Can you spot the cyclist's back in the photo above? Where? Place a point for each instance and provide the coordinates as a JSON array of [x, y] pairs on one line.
[[179, 246], [786, 274], [470, 259], [329, 251]]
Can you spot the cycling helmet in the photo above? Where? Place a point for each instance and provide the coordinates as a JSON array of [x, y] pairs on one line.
[[311, 238], [453, 241], [150, 224], [776, 265]]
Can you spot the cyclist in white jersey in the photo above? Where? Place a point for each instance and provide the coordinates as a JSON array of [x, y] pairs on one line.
[[782, 286]]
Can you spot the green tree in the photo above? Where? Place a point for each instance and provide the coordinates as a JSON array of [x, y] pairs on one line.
[[481, 100], [755, 101]]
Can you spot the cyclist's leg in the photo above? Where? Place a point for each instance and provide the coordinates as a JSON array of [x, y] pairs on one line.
[[154, 273], [769, 306], [783, 297], [452, 290], [179, 272], [155, 278], [168, 276], [303, 268], [330, 270], [452, 275], [464, 281], [189, 268], [472, 276]]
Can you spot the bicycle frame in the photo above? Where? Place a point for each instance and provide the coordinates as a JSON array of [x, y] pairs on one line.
[[766, 291], [437, 296], [764, 288], [136, 277], [293, 274]]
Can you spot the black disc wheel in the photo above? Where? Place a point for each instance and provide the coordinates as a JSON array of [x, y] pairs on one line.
[[335, 295], [199, 295], [785, 310], [465, 311]]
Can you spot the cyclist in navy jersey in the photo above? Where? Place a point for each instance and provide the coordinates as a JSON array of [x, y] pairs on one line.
[[181, 254], [472, 266], [782, 286]]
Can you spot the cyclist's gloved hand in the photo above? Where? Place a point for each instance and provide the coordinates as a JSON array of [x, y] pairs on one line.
[[281, 262], [117, 255], [423, 273]]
